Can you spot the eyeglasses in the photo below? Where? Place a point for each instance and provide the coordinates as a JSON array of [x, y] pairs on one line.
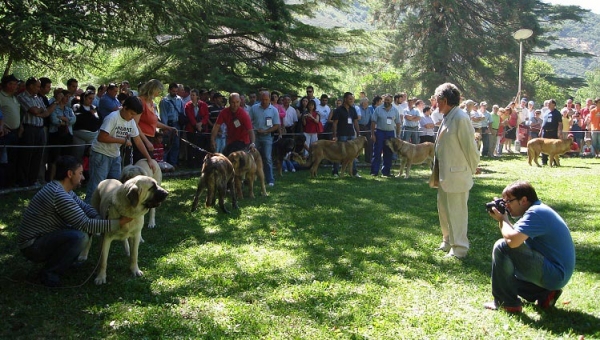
[[510, 200]]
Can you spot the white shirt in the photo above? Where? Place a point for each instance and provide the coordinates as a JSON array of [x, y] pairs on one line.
[[324, 112]]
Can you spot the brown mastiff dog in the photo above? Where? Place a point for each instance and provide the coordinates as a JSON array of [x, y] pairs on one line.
[[248, 165], [217, 175], [411, 153], [342, 152], [551, 147]]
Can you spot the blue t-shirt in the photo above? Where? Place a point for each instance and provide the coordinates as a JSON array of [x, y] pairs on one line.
[[549, 235]]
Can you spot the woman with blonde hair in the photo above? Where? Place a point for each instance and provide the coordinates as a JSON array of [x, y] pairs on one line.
[[148, 121]]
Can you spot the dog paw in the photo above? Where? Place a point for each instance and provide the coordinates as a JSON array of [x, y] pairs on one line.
[[151, 226], [82, 258], [100, 279], [137, 272]]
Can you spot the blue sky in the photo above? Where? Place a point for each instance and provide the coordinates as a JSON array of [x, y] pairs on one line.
[[593, 5]]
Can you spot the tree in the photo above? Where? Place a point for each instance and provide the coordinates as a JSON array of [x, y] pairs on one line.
[[466, 42], [592, 90]]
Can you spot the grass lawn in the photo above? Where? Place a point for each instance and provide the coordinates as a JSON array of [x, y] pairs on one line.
[[318, 259]]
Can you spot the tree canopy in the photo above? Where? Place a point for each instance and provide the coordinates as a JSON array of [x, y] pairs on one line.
[[468, 42], [233, 44]]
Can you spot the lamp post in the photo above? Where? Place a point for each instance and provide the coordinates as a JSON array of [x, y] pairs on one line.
[[521, 35]]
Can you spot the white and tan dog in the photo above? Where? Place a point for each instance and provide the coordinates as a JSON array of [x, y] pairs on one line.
[[141, 167], [113, 199], [411, 153]]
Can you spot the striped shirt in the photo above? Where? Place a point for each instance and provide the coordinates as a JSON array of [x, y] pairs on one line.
[[52, 209], [28, 101]]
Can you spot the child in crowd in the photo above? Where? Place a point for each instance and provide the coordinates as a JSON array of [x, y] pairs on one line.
[[159, 147], [118, 128], [574, 147], [287, 163], [159, 153], [587, 151], [221, 139]]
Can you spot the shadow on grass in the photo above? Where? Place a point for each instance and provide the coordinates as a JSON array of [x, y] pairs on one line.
[[561, 321]]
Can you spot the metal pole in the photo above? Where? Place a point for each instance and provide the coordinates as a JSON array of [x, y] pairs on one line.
[[520, 67]]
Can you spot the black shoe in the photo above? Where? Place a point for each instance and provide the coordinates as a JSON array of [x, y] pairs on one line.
[[49, 279]]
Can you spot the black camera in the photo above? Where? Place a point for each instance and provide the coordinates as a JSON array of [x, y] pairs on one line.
[[498, 203]]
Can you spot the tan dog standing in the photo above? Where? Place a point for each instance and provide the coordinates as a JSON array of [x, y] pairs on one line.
[[141, 167], [552, 147], [217, 177], [342, 152], [113, 199], [248, 165], [411, 153]]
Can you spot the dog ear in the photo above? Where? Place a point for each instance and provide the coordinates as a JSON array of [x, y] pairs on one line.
[[133, 195]]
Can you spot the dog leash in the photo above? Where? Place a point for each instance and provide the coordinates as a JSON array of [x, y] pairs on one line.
[[194, 146]]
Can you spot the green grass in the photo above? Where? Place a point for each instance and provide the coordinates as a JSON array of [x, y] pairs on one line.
[[318, 259]]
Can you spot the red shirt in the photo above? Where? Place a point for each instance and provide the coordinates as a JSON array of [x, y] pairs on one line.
[[203, 116], [148, 119], [239, 133], [311, 126]]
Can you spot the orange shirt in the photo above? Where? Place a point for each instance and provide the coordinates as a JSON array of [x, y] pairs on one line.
[[595, 120], [148, 120]]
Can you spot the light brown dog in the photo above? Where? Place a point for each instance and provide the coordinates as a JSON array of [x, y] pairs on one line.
[[113, 199], [342, 152], [411, 153], [248, 165], [217, 177], [141, 167], [551, 147]]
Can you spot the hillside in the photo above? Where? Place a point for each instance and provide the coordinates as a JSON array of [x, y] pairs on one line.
[[582, 37]]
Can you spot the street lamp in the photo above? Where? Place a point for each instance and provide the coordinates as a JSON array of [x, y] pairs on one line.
[[521, 35]]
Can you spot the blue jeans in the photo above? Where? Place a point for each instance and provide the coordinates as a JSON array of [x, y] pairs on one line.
[[516, 272], [336, 166], [58, 249], [596, 140], [101, 168], [485, 139], [172, 156], [264, 144], [379, 146], [287, 165], [410, 134]]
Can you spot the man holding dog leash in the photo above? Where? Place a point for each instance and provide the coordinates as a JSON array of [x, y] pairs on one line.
[[57, 222], [535, 257], [345, 128], [239, 127]]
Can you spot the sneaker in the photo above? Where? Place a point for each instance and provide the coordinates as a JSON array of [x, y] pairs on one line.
[[271, 184], [336, 175], [293, 170], [357, 175], [444, 246], [513, 310], [550, 300], [285, 170]]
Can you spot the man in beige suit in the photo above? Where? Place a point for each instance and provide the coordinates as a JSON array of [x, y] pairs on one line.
[[456, 160]]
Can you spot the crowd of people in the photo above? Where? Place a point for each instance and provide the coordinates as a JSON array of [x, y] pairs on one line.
[[36, 128]]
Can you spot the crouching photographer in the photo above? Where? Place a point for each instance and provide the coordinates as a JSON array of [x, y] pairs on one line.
[[535, 257]]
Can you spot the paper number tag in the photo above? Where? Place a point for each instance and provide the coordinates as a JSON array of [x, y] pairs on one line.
[[269, 122], [389, 121], [236, 123], [350, 120]]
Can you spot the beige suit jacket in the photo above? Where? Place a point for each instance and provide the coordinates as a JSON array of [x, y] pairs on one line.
[[456, 155]]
